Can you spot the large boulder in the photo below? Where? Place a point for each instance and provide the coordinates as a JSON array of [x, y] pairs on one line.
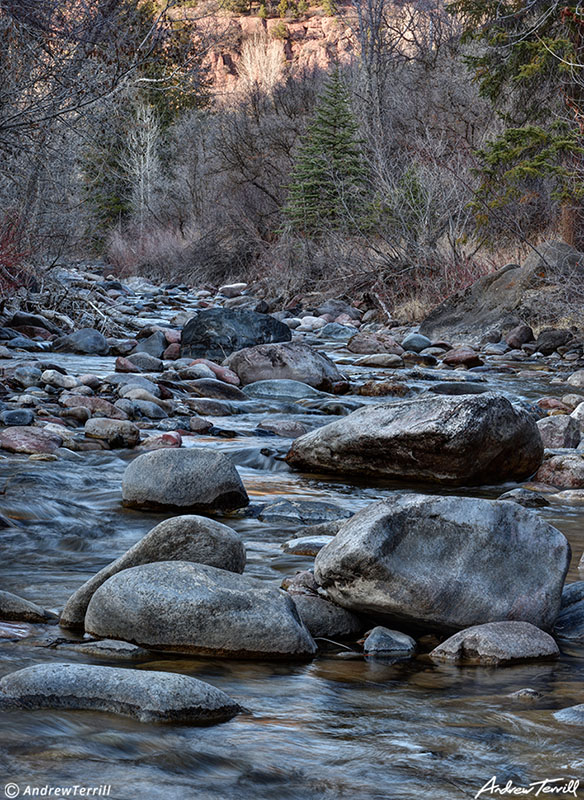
[[217, 332], [185, 538], [146, 696], [446, 563], [181, 607], [497, 643], [296, 362], [533, 293], [448, 440], [193, 478], [87, 341]]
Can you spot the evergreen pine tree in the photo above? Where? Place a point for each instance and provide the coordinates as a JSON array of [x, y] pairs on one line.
[[327, 188]]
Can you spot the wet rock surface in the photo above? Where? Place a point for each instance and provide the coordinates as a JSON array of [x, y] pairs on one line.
[[147, 696], [190, 479], [445, 440], [497, 643], [428, 561], [183, 607]]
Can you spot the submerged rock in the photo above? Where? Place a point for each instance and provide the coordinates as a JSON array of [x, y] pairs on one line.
[[185, 538], [497, 643], [146, 696], [194, 478], [449, 440], [446, 563], [181, 607]]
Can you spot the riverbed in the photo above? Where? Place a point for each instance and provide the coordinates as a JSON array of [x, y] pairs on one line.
[[334, 727]]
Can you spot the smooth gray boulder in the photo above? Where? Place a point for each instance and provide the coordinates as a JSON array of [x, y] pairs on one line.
[[497, 643], [388, 643], [447, 440], [445, 563], [215, 333], [17, 609], [185, 538], [288, 361], [146, 696], [195, 478], [181, 607]]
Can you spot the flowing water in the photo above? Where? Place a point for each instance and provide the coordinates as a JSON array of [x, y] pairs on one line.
[[331, 728]]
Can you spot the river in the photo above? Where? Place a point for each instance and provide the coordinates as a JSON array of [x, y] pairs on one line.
[[331, 728]]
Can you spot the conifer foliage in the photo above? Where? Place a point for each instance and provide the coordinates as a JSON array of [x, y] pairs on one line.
[[329, 178]]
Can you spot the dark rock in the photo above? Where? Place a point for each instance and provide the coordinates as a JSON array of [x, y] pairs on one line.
[[181, 607], [550, 339], [519, 336], [216, 332], [325, 619], [570, 620], [218, 390], [154, 345], [446, 563], [388, 643], [87, 340], [142, 362], [526, 498], [17, 416], [446, 440], [416, 342]]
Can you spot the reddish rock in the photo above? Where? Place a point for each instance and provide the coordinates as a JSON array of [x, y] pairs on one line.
[[24, 439], [369, 342], [33, 332], [519, 336], [549, 403], [172, 352], [172, 336], [99, 406], [123, 365], [222, 373], [170, 439], [462, 356], [563, 471], [345, 319]]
